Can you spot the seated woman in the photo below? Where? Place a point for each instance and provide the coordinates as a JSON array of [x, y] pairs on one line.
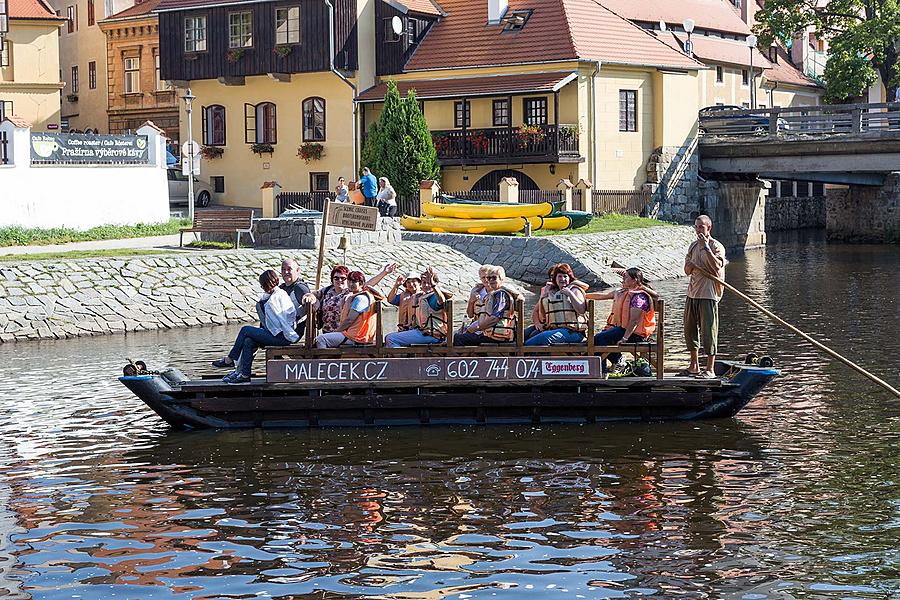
[[538, 315], [277, 315], [328, 301], [358, 323], [430, 316], [477, 298], [562, 308], [633, 317], [497, 323], [405, 300]]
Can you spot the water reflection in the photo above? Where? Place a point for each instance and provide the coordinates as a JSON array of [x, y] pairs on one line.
[[795, 498]]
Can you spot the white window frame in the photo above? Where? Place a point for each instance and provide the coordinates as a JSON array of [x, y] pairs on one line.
[[195, 33], [240, 29], [5, 47], [161, 84], [132, 74], [287, 25]]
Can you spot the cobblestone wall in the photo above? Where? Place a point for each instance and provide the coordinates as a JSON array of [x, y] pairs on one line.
[[673, 179], [61, 299], [657, 250], [789, 213], [865, 214]]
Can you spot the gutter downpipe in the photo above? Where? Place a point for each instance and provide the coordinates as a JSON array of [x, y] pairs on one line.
[[345, 80], [594, 123]]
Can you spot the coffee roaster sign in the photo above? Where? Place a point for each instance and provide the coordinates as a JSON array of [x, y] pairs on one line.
[[89, 149], [388, 370]]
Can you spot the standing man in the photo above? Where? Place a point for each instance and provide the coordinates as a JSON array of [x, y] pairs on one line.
[[369, 185], [701, 309]]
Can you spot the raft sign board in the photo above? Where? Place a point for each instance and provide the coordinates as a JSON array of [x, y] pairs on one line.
[[353, 216], [420, 370]]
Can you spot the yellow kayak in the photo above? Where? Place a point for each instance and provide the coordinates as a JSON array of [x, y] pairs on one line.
[[444, 225], [483, 211], [550, 223]]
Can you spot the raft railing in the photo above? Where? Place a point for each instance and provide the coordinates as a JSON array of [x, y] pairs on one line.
[[653, 350]]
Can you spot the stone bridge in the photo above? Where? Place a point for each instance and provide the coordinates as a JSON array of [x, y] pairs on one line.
[[855, 147]]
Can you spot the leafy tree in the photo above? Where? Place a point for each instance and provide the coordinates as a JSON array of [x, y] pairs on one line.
[[864, 38], [399, 144]]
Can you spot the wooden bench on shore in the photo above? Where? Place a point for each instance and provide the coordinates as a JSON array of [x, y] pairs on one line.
[[221, 220], [652, 350]]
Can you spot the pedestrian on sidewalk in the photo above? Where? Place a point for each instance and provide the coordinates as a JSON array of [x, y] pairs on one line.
[[342, 192], [701, 308], [387, 198]]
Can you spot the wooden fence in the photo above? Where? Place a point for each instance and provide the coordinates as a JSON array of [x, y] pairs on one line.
[[617, 202], [309, 200]]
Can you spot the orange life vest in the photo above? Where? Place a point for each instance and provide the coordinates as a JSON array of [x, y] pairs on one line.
[[478, 302], [406, 320], [431, 322], [503, 330], [621, 314], [557, 312], [362, 330]]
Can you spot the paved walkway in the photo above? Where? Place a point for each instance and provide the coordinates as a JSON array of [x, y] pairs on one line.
[[159, 241]]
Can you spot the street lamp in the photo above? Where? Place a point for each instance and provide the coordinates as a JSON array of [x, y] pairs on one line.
[[688, 45], [751, 43], [188, 102]]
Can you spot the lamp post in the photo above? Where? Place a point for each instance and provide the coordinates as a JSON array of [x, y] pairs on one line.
[[751, 43], [688, 28], [188, 103]]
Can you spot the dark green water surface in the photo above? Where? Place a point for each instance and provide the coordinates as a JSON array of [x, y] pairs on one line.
[[797, 497]]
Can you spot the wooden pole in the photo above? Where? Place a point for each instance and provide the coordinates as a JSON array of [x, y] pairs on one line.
[[809, 339], [322, 244], [660, 337]]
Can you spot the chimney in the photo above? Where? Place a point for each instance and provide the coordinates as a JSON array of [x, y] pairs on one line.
[[496, 11], [800, 50]]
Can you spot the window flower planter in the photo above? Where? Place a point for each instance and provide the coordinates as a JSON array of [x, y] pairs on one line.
[[282, 51], [262, 148], [235, 54], [72, 97], [311, 151], [211, 152]]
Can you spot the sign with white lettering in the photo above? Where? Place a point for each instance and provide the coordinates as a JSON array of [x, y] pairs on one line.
[[389, 370], [88, 149], [353, 216]]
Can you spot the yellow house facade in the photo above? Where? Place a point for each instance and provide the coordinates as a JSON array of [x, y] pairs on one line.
[[29, 65]]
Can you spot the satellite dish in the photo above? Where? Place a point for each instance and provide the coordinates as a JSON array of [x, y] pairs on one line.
[[397, 25]]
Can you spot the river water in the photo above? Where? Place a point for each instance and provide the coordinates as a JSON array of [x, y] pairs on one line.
[[797, 497]]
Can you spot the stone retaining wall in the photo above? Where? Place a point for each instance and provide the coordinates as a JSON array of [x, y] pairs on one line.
[[789, 213], [865, 214], [69, 298], [304, 234], [659, 251]]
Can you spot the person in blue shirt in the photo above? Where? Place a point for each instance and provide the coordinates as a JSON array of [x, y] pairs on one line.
[[369, 185]]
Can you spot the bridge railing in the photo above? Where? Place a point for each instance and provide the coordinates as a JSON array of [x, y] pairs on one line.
[[845, 119]]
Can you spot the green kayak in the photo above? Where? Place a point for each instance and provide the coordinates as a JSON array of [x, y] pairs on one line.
[[579, 218]]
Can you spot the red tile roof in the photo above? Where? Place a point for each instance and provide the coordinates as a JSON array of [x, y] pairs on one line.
[[138, 10], [784, 71], [17, 121], [557, 30], [474, 86], [30, 9], [707, 14], [718, 50], [426, 7]]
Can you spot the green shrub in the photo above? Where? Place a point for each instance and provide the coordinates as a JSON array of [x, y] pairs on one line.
[[21, 236]]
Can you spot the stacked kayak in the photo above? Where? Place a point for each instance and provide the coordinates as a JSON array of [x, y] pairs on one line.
[[455, 215]]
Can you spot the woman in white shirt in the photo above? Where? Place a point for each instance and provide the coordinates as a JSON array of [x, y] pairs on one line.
[[387, 198], [341, 192], [277, 330]]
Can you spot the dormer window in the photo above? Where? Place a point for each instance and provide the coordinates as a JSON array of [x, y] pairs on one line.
[[516, 20]]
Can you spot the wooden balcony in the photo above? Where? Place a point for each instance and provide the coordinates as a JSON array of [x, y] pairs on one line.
[[503, 145]]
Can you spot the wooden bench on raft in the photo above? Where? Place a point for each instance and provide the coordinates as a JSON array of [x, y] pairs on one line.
[[221, 220], [652, 350]]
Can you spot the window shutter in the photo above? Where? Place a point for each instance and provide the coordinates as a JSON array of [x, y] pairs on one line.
[[249, 124], [204, 127], [272, 126]]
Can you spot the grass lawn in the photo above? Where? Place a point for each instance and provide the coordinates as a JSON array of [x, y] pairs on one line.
[[208, 245], [20, 236], [112, 253], [609, 223]]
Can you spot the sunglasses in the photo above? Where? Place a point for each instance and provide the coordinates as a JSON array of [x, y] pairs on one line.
[[492, 278], [339, 279]]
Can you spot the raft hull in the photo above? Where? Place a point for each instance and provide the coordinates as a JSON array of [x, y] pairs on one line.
[[476, 226], [212, 404], [482, 211]]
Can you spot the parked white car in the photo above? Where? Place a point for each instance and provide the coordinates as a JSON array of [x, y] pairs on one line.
[[178, 189]]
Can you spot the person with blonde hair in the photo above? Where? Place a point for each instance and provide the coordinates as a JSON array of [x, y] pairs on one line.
[[387, 198], [477, 298], [497, 322]]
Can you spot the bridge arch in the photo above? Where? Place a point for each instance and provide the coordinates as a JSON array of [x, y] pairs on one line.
[[491, 181]]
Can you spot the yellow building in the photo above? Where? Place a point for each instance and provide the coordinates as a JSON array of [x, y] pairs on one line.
[[83, 62], [29, 65]]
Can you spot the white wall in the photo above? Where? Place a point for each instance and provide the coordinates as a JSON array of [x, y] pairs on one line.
[[81, 197]]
